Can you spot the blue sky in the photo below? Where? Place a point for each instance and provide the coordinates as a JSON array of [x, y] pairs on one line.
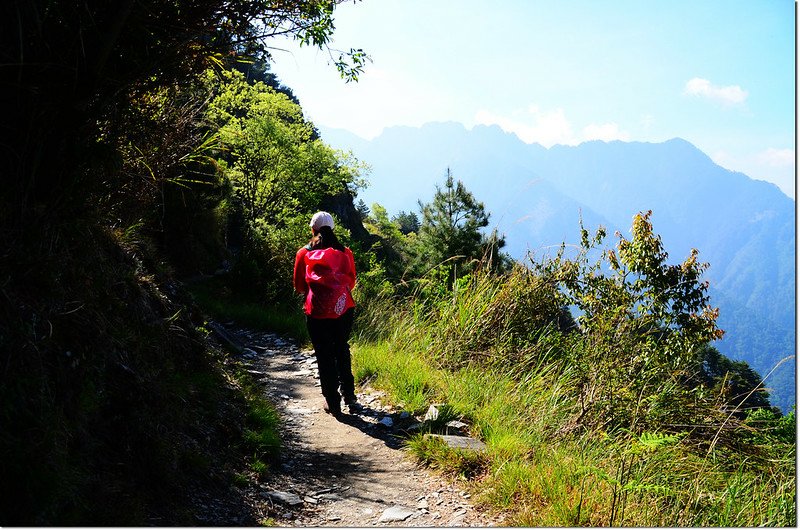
[[720, 74]]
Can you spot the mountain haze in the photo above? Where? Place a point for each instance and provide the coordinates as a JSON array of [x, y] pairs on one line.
[[537, 196]]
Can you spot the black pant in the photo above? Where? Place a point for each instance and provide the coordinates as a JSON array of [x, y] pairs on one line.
[[329, 337]]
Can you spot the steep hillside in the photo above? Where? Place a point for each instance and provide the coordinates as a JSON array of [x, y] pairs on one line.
[[114, 411]]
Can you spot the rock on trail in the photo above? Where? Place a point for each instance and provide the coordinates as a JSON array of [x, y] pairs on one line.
[[348, 471]]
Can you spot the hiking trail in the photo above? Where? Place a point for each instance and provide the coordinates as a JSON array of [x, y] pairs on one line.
[[349, 471]]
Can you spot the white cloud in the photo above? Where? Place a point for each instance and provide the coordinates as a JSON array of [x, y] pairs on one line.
[[547, 128], [550, 127], [777, 157], [606, 132], [727, 95]]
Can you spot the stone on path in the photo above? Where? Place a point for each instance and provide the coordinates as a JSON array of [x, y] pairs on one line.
[[329, 497], [396, 513], [283, 497], [387, 421], [432, 414], [299, 410], [457, 519], [459, 442]]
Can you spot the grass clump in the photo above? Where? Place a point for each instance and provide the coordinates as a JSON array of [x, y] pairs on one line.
[[434, 453], [240, 480], [411, 379], [261, 433]]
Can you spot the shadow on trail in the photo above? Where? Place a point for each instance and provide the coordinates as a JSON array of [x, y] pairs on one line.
[[337, 474], [387, 435]]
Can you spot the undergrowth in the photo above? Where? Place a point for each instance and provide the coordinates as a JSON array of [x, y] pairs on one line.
[[260, 432], [223, 302]]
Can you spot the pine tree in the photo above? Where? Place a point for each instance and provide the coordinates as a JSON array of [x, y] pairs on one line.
[[450, 231]]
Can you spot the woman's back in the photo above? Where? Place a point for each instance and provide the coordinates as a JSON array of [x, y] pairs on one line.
[[329, 275]]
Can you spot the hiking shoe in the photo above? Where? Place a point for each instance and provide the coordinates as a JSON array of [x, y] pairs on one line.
[[352, 403], [333, 410]]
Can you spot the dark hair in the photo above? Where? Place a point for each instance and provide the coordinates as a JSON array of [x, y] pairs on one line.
[[325, 238]]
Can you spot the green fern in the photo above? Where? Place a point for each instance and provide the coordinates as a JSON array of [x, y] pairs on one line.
[[650, 441]]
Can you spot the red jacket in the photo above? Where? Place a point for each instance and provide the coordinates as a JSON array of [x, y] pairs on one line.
[[326, 276]]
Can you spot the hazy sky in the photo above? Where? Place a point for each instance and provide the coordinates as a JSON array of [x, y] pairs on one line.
[[718, 73]]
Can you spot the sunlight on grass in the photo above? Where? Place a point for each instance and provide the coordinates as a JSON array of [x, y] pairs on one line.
[[544, 479], [411, 380]]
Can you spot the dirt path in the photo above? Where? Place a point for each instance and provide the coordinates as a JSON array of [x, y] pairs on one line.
[[349, 472]]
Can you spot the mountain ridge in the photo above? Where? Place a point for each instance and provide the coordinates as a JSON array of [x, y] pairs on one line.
[[537, 197]]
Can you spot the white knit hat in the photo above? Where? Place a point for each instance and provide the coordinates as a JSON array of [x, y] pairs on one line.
[[321, 219]]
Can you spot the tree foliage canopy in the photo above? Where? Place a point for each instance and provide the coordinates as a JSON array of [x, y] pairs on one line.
[[70, 66], [277, 168], [645, 323]]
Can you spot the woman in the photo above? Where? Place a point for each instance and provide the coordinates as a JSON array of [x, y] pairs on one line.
[[325, 273]]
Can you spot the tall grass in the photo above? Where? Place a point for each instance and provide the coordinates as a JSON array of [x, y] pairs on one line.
[[406, 374], [494, 353]]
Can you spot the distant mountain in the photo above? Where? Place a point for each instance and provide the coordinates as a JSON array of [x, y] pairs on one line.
[[744, 228]]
